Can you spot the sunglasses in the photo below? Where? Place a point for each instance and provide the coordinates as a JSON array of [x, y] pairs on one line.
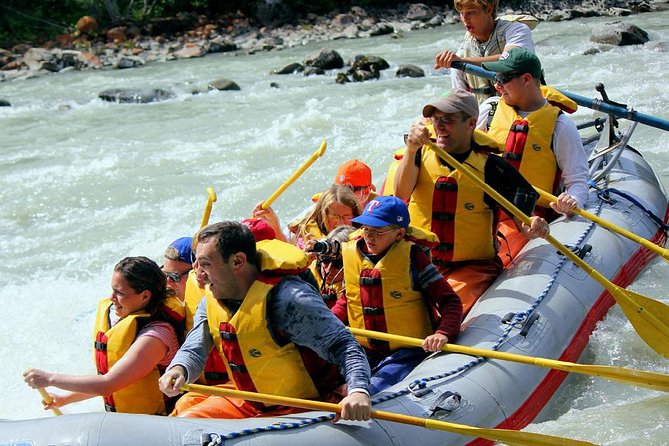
[[504, 78], [356, 188], [175, 277]]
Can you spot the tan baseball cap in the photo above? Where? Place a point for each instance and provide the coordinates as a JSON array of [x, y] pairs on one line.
[[457, 100]]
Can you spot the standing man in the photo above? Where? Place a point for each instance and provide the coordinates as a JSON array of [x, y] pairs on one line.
[[485, 40], [540, 140], [442, 200], [267, 325]]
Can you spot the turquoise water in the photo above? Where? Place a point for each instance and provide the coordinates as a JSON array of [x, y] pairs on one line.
[[84, 183]]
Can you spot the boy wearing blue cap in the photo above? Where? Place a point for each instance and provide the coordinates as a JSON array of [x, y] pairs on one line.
[[393, 287], [177, 263]]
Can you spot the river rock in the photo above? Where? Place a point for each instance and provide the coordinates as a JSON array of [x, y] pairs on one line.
[[294, 67], [222, 44], [189, 51], [116, 34], [326, 59], [130, 96], [619, 33], [381, 29], [129, 62], [223, 85], [313, 71], [368, 63], [364, 75], [408, 70], [86, 24], [420, 12], [5, 103]]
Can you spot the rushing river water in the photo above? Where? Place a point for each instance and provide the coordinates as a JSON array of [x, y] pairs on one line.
[[84, 183]]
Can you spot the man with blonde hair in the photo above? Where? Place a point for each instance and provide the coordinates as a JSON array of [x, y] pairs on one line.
[[485, 40]]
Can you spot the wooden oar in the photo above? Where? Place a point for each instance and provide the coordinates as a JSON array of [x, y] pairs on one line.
[[649, 317], [504, 435], [317, 154], [48, 400], [663, 252], [650, 380], [211, 198]]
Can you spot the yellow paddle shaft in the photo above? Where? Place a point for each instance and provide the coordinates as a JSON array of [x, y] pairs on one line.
[[650, 380], [663, 252], [314, 156], [211, 198], [505, 435], [47, 399]]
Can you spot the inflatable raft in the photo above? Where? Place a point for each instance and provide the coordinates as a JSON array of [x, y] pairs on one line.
[[542, 305]]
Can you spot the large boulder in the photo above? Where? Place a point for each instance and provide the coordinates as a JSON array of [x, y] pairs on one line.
[[223, 85], [409, 70], [326, 59], [294, 67], [420, 12], [86, 24], [189, 51], [131, 96], [619, 33], [368, 63]]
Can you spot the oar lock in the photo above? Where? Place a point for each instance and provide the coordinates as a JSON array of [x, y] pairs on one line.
[[522, 321], [580, 251], [437, 404]]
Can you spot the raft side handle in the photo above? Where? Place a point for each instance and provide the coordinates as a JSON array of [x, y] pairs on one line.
[[581, 252], [528, 324], [445, 404]]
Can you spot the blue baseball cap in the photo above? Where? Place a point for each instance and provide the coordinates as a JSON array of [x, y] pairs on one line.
[[181, 250], [383, 211]]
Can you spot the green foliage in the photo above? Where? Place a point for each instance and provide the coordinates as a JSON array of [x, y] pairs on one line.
[[38, 20]]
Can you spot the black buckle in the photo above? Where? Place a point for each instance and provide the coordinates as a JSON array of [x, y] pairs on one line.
[[372, 311]]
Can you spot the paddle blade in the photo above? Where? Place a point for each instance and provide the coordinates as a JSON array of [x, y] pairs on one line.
[[649, 318]]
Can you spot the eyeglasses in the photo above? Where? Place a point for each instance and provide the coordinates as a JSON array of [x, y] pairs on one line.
[[443, 120], [175, 277], [338, 218], [505, 78], [356, 188], [374, 233]]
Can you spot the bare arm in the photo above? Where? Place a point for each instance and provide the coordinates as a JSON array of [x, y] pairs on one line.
[[138, 361], [406, 176]]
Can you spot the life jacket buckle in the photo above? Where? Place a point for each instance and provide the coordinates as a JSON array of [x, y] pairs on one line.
[[372, 311]]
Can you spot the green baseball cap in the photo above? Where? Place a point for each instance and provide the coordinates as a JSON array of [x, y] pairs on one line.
[[517, 60]]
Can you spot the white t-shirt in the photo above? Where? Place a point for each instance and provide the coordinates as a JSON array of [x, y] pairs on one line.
[[567, 147]]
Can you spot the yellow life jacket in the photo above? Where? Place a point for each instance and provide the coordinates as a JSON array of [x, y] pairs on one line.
[[450, 205], [528, 143], [192, 298], [253, 357], [558, 99], [111, 343], [380, 297], [214, 370]]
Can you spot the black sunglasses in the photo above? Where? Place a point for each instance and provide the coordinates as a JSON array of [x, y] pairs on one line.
[[504, 78], [175, 277]]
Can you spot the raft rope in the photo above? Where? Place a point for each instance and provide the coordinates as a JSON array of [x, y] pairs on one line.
[[419, 384], [219, 439], [604, 194]]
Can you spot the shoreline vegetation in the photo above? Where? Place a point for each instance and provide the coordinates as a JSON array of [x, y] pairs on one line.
[[93, 44]]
